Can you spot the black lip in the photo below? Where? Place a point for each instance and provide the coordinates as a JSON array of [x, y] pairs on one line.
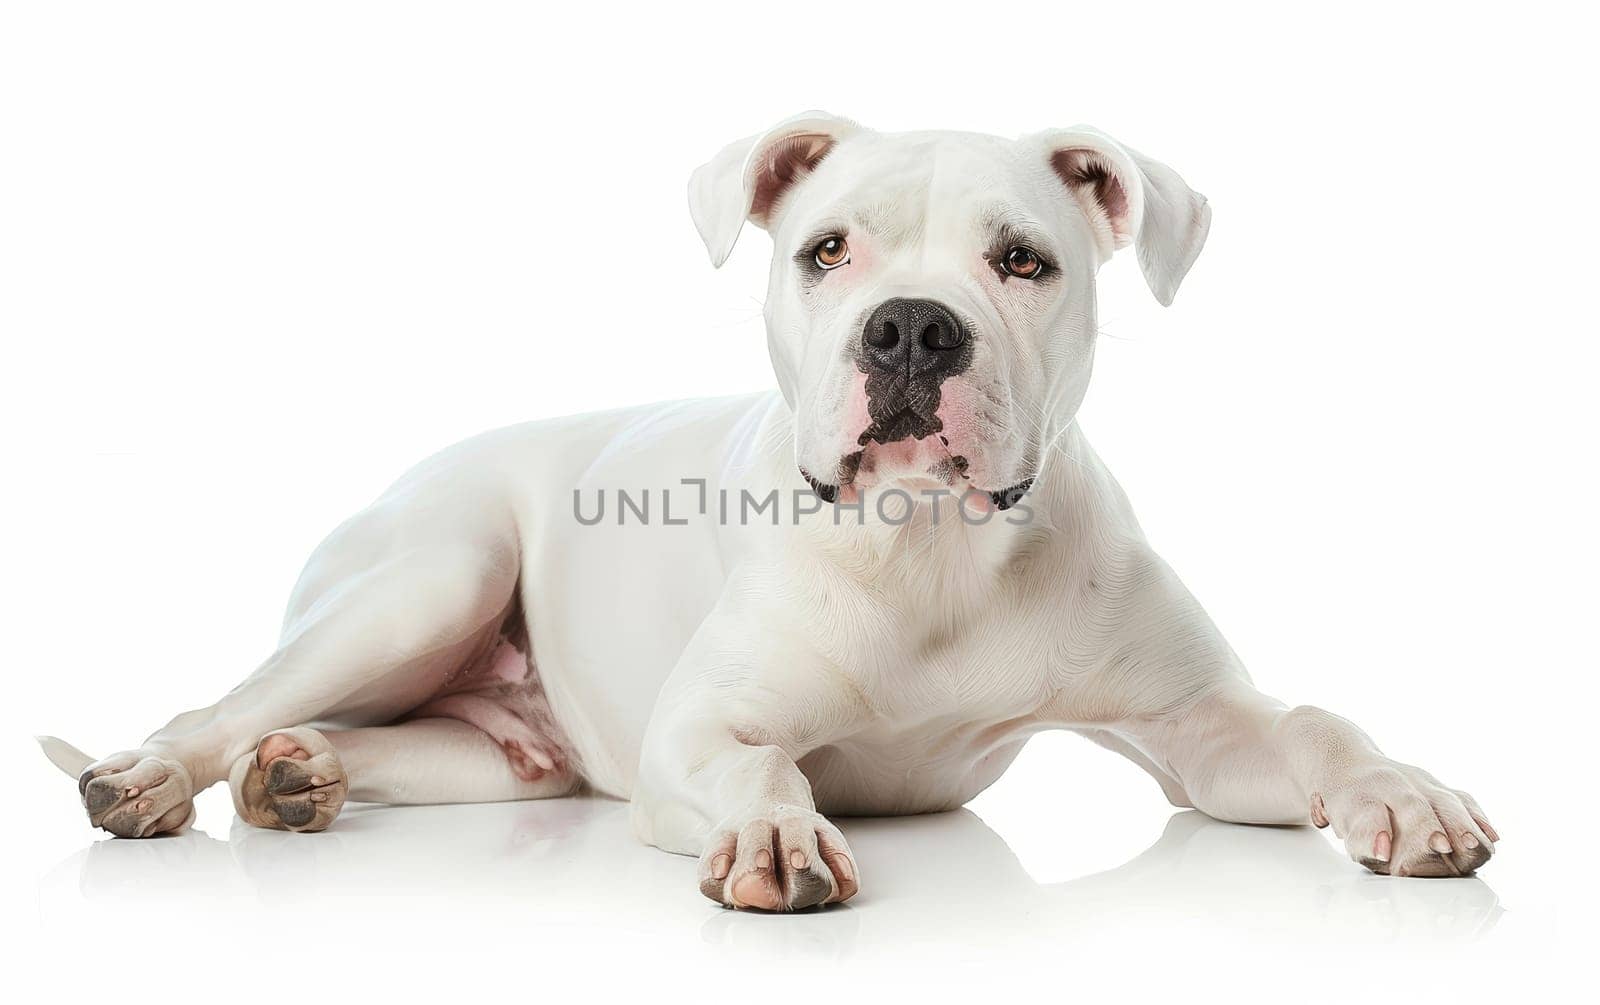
[[827, 493], [1003, 499], [1007, 498]]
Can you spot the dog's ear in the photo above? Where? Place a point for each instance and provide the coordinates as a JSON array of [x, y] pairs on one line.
[[748, 179], [1130, 198]]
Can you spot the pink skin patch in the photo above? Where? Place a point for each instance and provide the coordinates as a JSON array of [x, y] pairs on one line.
[[912, 459], [278, 745], [902, 455], [956, 399], [944, 458], [507, 665], [859, 268], [969, 433], [501, 696], [856, 416]]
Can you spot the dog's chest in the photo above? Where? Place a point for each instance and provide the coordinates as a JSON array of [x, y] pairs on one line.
[[948, 716], [937, 766]]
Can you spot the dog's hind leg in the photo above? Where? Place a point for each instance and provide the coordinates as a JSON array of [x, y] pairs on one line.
[[388, 607], [297, 779], [294, 780]]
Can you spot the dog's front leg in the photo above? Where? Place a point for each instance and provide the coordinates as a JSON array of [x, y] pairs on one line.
[[1241, 756], [1244, 757], [718, 775]]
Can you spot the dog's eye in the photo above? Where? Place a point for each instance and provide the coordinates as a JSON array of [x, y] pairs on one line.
[[1023, 263], [832, 252]]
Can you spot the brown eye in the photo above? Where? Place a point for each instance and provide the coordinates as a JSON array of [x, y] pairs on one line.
[[832, 252], [1023, 263]]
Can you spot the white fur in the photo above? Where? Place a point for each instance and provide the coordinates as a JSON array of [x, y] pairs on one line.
[[735, 683]]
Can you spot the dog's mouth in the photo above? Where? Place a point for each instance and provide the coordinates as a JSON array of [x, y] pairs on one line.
[[826, 491], [1007, 498], [950, 472]]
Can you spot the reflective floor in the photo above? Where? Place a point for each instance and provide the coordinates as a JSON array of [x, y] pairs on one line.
[[934, 881], [1100, 886]]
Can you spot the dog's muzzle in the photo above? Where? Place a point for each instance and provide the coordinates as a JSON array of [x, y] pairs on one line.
[[908, 348]]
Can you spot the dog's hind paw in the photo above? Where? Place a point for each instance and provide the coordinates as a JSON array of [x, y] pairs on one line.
[[293, 782], [135, 795]]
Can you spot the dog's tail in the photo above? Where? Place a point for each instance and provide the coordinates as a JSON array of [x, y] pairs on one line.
[[64, 755]]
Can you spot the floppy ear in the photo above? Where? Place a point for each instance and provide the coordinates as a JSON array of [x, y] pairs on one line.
[[749, 177], [1132, 199]]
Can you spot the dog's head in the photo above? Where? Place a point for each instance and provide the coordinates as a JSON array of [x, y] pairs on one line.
[[930, 312]]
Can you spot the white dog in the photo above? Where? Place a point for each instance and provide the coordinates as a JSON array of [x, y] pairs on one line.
[[860, 596]]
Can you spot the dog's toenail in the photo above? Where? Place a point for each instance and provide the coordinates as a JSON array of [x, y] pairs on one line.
[[1381, 846], [719, 867], [1469, 841], [797, 859], [319, 797], [132, 791], [318, 780], [763, 859], [1439, 843], [143, 806]]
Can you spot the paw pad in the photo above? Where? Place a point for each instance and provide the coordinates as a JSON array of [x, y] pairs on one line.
[[293, 781]]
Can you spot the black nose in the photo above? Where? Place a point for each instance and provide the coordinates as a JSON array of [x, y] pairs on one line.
[[912, 336]]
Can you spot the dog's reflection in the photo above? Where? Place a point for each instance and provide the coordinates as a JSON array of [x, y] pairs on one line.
[[931, 879]]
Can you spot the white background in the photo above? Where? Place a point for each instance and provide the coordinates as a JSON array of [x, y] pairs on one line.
[[255, 261]]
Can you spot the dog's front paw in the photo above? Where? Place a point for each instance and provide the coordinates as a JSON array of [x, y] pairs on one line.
[[784, 859], [1400, 821]]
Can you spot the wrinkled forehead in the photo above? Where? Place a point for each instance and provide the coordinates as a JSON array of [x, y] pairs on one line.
[[919, 187]]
